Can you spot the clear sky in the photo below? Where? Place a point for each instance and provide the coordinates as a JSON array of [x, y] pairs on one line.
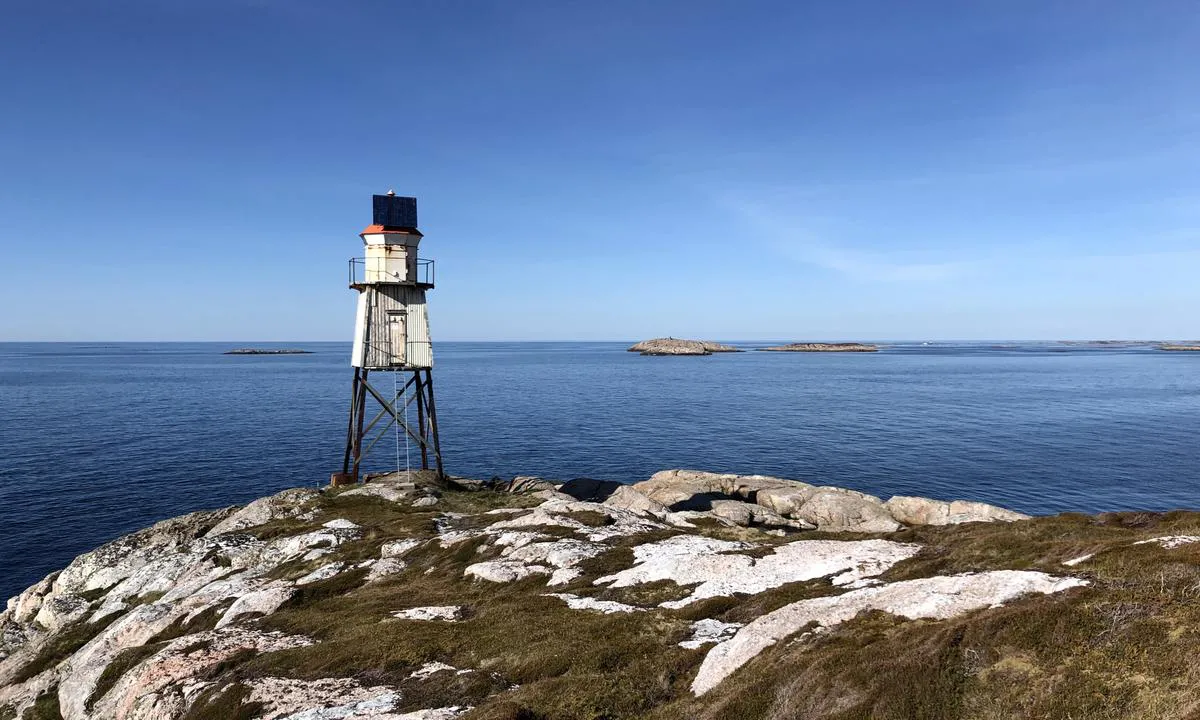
[[199, 170]]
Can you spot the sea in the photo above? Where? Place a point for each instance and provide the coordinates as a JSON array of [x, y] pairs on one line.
[[97, 440]]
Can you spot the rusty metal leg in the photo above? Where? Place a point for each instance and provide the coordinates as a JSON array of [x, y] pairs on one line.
[[421, 420], [358, 432], [437, 445], [350, 424]]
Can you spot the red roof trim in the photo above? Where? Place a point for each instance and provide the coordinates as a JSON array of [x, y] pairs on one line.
[[390, 230]]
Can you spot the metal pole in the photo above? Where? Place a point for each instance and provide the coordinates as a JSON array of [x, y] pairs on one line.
[[362, 407], [421, 418], [437, 446], [350, 423]]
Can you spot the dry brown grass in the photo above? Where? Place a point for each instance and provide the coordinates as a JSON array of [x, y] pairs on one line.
[[1122, 648]]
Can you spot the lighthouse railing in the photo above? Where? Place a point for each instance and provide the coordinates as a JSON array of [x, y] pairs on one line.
[[365, 270]]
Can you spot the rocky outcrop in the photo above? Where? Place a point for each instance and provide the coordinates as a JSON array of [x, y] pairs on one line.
[[286, 504], [348, 604], [135, 588], [627, 498], [748, 515], [936, 597], [528, 484], [676, 346], [775, 502], [923, 511], [822, 347], [837, 510]]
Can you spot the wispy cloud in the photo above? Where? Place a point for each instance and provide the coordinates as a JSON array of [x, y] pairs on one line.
[[792, 240], [862, 265]]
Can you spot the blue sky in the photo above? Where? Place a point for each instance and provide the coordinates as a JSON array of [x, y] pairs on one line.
[[181, 170]]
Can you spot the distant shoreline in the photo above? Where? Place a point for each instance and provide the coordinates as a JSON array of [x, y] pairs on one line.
[[679, 346], [821, 347], [262, 351]]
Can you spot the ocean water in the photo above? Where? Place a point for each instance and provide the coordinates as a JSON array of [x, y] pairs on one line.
[[97, 440]]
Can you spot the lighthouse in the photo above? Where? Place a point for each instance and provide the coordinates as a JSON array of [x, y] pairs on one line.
[[391, 335]]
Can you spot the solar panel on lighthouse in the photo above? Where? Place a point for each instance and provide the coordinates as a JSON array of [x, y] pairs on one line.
[[394, 211]]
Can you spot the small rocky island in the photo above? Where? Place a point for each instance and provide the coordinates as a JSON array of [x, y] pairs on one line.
[[822, 347], [687, 595], [267, 351], [676, 346]]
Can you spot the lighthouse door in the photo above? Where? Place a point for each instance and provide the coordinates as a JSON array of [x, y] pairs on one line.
[[397, 336]]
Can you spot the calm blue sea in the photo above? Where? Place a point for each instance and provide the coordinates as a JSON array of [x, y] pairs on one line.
[[97, 440]]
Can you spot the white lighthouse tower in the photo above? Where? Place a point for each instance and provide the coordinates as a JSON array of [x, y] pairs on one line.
[[391, 334]]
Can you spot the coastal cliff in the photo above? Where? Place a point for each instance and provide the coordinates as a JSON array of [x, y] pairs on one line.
[[690, 594]]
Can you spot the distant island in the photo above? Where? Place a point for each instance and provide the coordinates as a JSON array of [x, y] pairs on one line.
[[1107, 343], [822, 347], [1181, 348], [266, 351], [677, 346]]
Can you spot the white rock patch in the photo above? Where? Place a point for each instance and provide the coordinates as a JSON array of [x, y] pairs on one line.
[[1167, 542], [447, 613], [447, 713], [937, 597], [717, 569], [563, 555], [1171, 542], [709, 631], [504, 570], [324, 699], [584, 603], [398, 548], [557, 513], [288, 503], [429, 669], [526, 554], [322, 573], [265, 601], [385, 567], [392, 492]]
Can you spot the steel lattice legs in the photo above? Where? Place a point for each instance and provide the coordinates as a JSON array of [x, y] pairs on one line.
[[357, 429]]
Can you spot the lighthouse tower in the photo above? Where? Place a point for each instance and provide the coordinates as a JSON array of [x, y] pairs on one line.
[[391, 334]]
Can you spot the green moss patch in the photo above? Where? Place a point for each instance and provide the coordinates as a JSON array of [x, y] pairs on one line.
[[226, 702], [201, 622], [63, 645], [45, 707], [124, 661]]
